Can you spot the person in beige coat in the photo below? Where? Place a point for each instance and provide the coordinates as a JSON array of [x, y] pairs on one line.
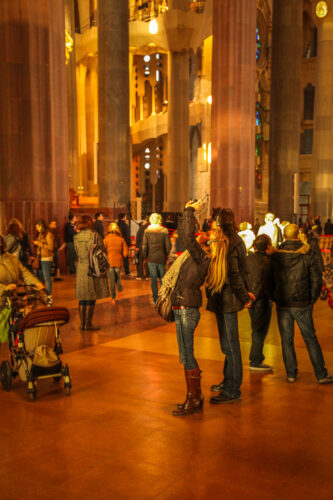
[[117, 250], [12, 272], [88, 288]]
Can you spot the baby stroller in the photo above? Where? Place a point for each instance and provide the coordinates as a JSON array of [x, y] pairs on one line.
[[34, 343]]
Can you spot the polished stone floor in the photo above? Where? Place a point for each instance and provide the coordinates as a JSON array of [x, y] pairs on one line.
[[114, 437]]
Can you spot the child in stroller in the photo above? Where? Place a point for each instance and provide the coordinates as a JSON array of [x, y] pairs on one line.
[[34, 341]]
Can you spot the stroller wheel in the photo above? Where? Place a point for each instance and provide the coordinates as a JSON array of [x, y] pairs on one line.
[[33, 394], [67, 380], [6, 375]]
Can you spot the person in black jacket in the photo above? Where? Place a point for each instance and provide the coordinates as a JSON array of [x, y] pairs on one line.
[[193, 266], [261, 309], [98, 224], [295, 284], [125, 232], [70, 232], [138, 249], [226, 304], [156, 247]]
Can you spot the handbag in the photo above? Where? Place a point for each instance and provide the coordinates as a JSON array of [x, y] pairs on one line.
[[4, 324], [164, 306], [45, 356]]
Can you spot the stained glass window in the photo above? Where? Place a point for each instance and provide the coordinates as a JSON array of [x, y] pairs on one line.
[[258, 40], [258, 146]]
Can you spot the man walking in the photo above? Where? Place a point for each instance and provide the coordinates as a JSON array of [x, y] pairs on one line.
[[70, 232], [295, 281], [125, 232], [156, 247], [261, 309]]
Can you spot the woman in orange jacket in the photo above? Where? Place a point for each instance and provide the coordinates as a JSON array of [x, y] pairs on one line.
[[117, 249]]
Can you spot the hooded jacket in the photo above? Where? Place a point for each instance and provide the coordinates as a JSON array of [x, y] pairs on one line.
[[156, 244], [193, 271], [295, 276]]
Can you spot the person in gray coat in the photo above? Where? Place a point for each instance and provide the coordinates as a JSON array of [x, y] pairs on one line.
[[88, 289]]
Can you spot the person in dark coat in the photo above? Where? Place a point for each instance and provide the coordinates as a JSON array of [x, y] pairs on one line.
[[98, 224], [328, 227], [88, 288], [295, 280], [261, 309], [156, 247], [138, 248], [186, 277], [125, 232], [232, 298], [70, 232]]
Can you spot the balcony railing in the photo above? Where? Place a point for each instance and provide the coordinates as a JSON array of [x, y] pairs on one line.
[[146, 10]]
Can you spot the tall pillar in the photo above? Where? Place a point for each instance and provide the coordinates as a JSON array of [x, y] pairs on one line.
[[113, 87], [33, 117], [233, 106], [73, 167], [322, 170], [178, 185], [178, 172], [285, 105]]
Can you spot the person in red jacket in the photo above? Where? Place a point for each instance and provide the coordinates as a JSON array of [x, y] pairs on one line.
[[117, 250]]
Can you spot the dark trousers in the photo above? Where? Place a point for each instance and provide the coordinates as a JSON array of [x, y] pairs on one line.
[[71, 257], [126, 265], [155, 271], [186, 322], [303, 317], [140, 266], [87, 302], [227, 324], [260, 314]]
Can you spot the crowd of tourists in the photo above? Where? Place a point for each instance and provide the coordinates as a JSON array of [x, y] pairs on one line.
[[239, 267]]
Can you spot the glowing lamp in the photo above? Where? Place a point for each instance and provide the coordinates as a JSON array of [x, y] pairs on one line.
[[321, 9], [153, 27]]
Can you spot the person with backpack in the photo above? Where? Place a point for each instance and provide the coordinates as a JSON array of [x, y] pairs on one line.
[[17, 242], [88, 288]]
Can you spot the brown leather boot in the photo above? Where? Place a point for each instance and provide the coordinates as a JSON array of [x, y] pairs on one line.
[[199, 393], [83, 314], [194, 399], [90, 313]]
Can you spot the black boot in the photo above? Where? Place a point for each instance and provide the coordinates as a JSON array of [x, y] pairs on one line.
[[194, 399], [83, 315], [90, 313]]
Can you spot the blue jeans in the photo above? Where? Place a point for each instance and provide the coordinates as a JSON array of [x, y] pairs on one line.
[[303, 317], [227, 324], [186, 323], [114, 276], [155, 271], [44, 275], [260, 314]]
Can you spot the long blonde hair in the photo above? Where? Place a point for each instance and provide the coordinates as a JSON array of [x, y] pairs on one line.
[[217, 272]]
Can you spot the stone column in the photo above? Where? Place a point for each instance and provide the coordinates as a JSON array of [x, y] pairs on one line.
[[233, 106], [33, 118], [73, 168], [285, 105], [322, 167], [113, 87], [178, 185], [178, 182]]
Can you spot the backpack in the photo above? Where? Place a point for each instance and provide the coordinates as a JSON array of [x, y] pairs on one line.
[[98, 261]]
